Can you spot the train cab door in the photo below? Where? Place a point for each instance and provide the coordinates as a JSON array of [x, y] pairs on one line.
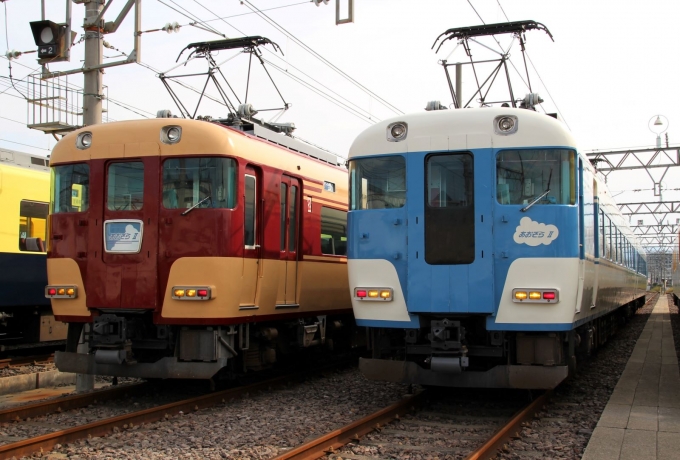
[[454, 272], [252, 236], [289, 222], [128, 274]]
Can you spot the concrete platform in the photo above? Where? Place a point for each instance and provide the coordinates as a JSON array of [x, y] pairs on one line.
[[642, 418]]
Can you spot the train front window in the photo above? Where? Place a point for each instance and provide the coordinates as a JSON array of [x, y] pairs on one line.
[[70, 190], [524, 175], [210, 181], [125, 186], [377, 183]]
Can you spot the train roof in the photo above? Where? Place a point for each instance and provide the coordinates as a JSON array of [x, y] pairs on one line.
[[142, 138], [24, 160], [462, 129]]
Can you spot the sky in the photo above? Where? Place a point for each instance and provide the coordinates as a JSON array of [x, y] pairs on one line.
[[611, 69]]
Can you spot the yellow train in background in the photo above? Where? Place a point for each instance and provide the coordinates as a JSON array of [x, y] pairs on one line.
[[25, 314]]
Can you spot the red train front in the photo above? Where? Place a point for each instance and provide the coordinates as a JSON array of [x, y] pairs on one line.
[[190, 248]]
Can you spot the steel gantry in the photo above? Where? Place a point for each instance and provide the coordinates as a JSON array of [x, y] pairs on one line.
[[661, 237]]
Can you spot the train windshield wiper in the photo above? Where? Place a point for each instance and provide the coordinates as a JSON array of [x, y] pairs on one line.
[[539, 197], [196, 205]]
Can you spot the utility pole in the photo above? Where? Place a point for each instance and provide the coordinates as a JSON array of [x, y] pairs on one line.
[[94, 49]]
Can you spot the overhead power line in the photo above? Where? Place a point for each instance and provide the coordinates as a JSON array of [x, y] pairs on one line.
[[25, 145], [321, 58]]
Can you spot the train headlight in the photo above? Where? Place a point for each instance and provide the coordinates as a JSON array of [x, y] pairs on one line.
[[192, 293], [396, 132], [535, 295], [84, 140], [171, 134], [61, 292], [376, 294], [505, 124]]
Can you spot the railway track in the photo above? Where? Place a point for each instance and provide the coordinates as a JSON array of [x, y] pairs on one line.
[[421, 424], [26, 360], [45, 442]]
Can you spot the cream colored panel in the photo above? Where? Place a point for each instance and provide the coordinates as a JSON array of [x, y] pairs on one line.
[[323, 286], [142, 149], [457, 142], [268, 285], [418, 144], [479, 141], [377, 273], [540, 273], [281, 278], [117, 150], [67, 272], [439, 143], [221, 274], [291, 281]]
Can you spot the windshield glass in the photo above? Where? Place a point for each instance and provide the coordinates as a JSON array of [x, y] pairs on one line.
[[125, 186], [377, 183], [523, 175], [187, 181], [70, 188]]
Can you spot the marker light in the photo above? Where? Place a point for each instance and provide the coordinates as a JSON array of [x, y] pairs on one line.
[[520, 295], [61, 292], [535, 295], [191, 293], [378, 294]]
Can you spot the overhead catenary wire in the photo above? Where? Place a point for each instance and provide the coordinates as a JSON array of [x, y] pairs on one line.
[[25, 145], [321, 58]]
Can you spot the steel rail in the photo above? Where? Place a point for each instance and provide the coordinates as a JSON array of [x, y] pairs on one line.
[[28, 360], [335, 439], [46, 442], [68, 402], [490, 448]]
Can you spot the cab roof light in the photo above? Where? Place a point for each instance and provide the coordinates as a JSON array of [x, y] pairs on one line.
[[61, 292], [192, 293]]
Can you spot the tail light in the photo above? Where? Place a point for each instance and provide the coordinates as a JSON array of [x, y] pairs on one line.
[[377, 294], [61, 292], [535, 295], [191, 293]]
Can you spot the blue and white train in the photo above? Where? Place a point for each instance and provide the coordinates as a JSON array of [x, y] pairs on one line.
[[484, 249]]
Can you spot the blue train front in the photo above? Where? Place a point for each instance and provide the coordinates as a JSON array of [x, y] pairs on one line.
[[484, 250]]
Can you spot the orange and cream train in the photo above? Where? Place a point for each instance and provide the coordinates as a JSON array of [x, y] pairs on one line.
[[191, 248]]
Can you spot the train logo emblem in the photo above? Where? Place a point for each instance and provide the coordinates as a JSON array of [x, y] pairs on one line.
[[123, 236], [534, 233]]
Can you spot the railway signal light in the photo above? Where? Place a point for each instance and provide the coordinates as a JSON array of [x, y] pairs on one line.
[[52, 40]]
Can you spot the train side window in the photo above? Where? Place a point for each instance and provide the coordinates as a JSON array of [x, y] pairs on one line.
[[292, 215], [125, 186], [70, 191], [523, 175], [284, 206], [333, 231], [210, 181], [249, 214], [377, 183], [32, 225]]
